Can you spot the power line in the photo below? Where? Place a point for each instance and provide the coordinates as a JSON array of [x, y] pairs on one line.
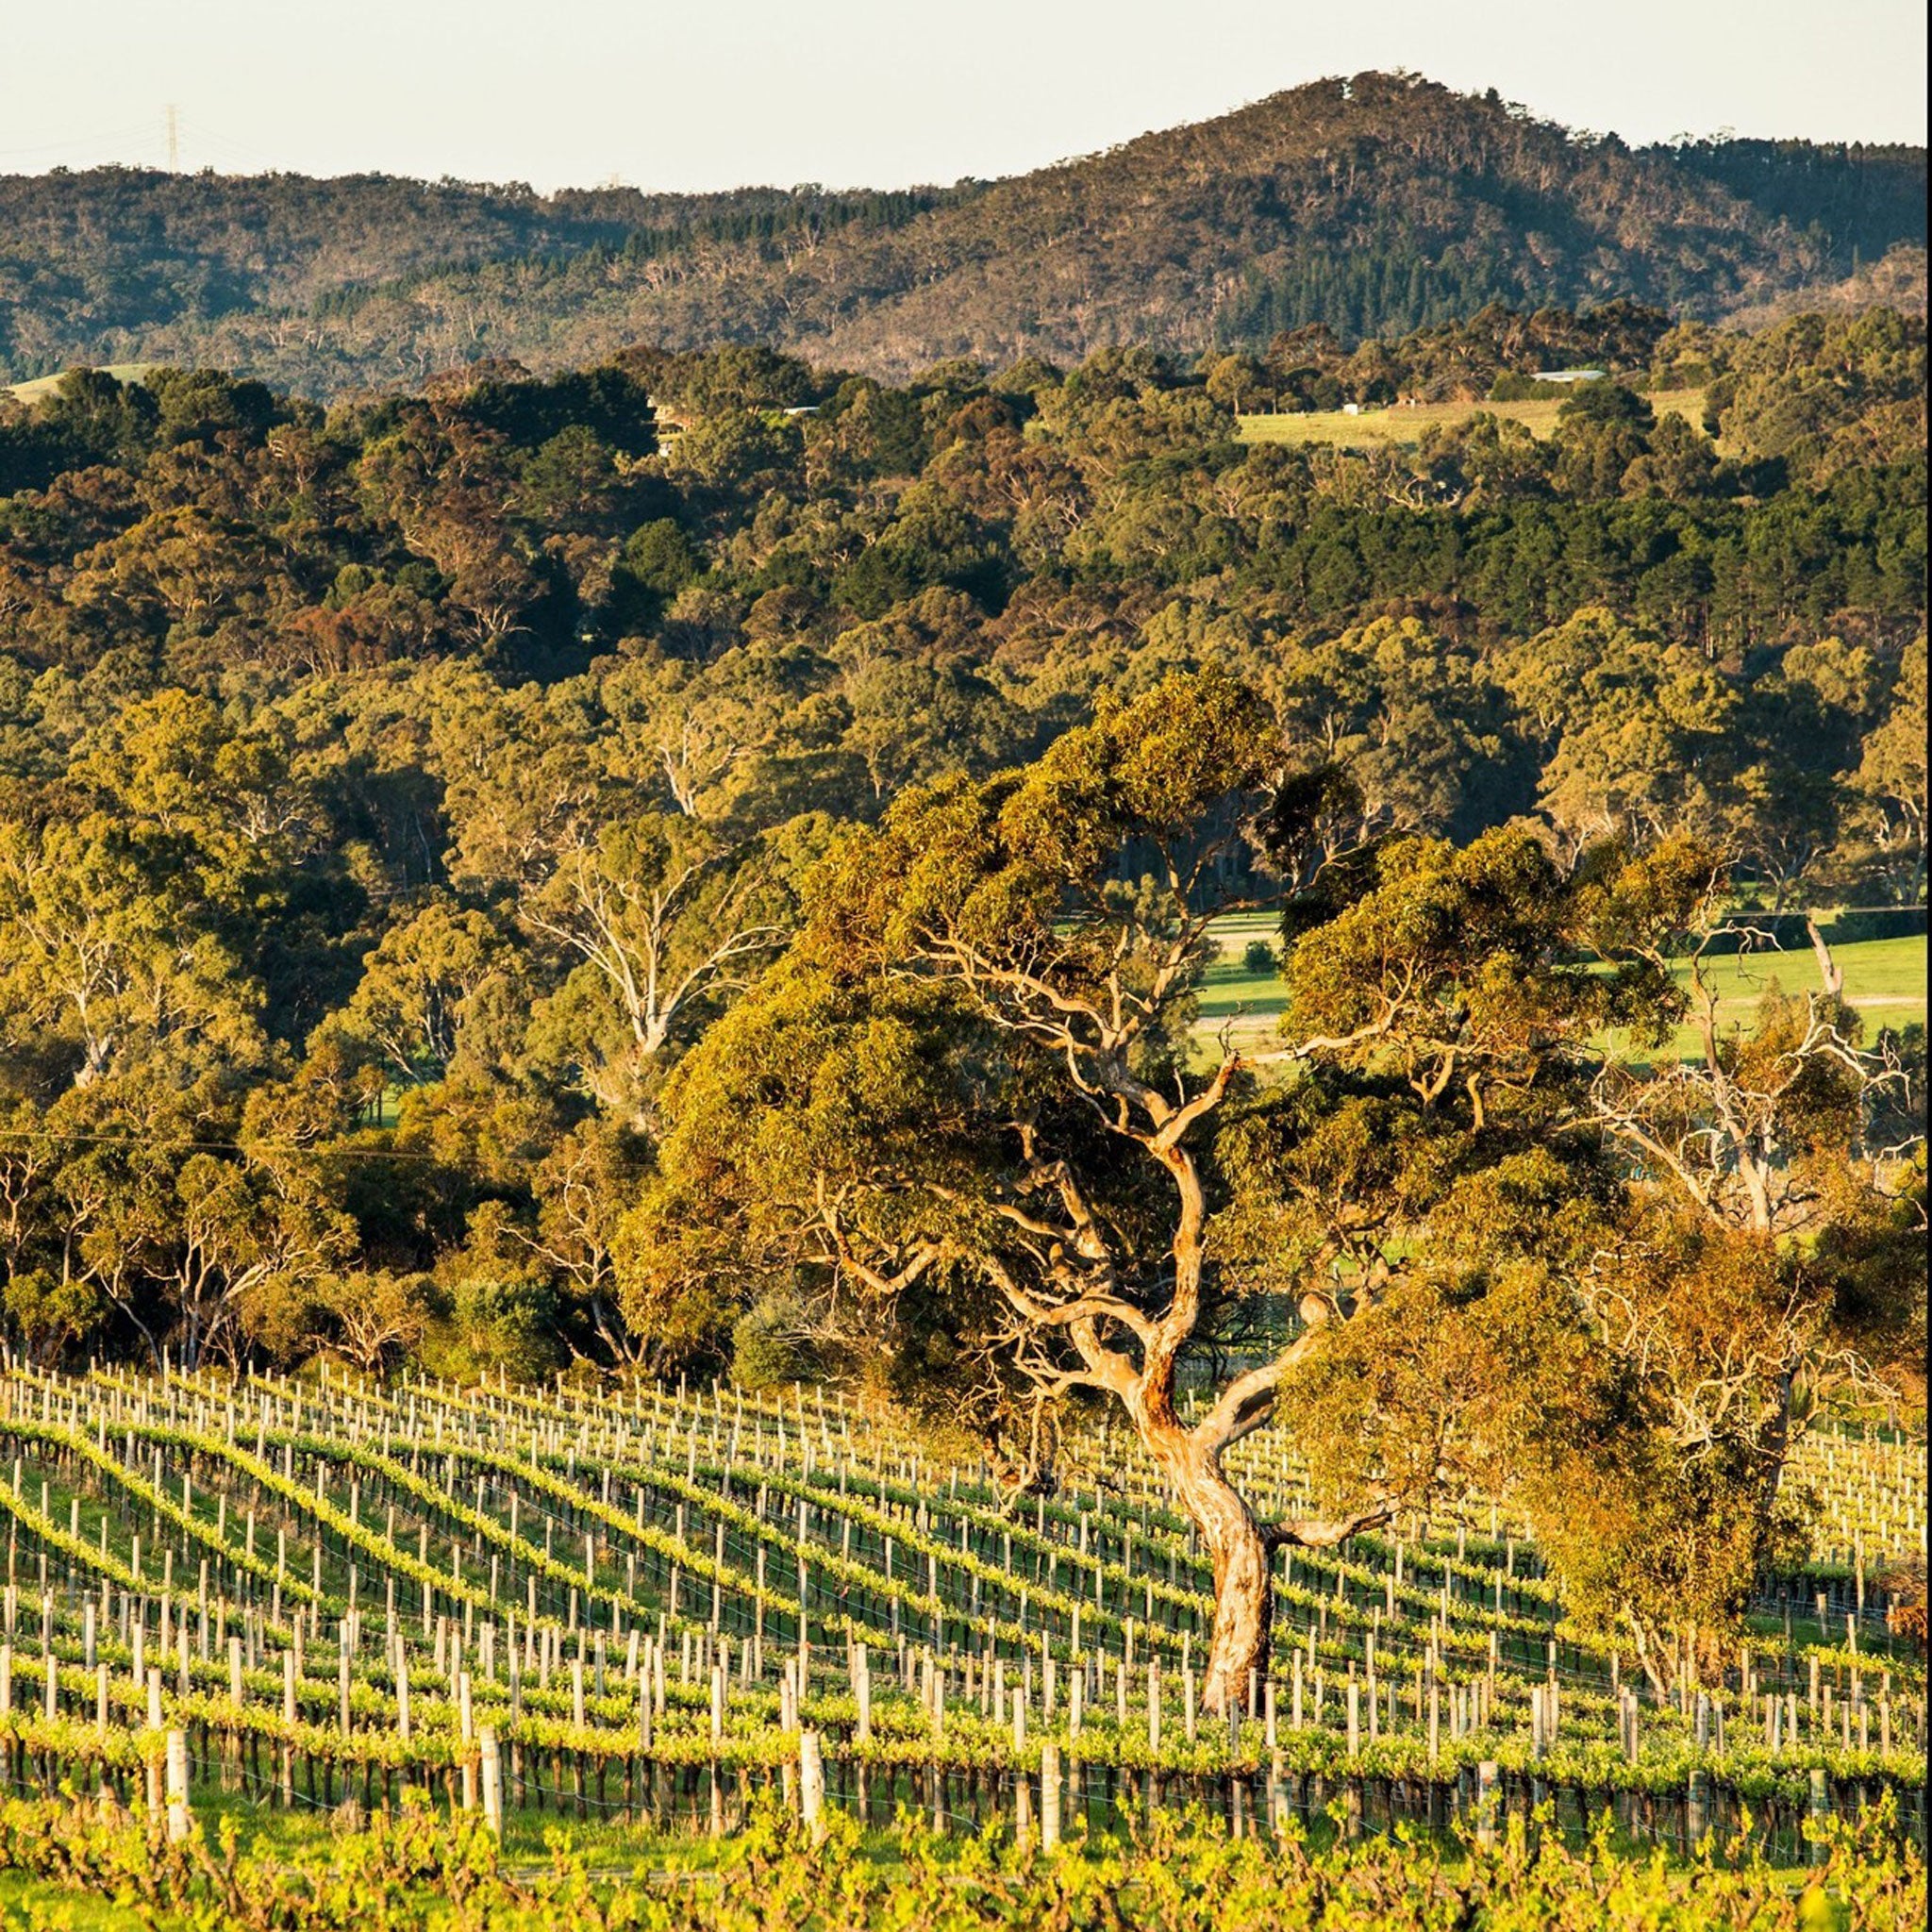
[[327, 1151], [114, 138], [144, 145]]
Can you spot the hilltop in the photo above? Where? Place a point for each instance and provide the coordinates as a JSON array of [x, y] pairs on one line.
[[1373, 205]]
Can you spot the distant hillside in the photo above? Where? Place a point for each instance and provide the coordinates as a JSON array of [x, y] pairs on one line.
[[1373, 205]]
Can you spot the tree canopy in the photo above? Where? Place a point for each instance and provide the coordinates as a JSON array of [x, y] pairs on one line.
[[484, 891], [958, 1136]]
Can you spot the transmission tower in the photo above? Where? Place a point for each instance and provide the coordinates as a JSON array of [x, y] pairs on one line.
[[173, 140]]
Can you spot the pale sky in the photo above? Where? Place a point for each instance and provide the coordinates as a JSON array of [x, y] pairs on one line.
[[719, 93]]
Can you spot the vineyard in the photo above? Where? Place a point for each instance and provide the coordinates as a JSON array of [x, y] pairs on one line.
[[666, 1610]]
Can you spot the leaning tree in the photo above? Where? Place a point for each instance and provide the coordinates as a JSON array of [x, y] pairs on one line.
[[965, 1129]]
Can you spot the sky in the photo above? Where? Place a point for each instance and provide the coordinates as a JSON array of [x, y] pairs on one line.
[[721, 94]]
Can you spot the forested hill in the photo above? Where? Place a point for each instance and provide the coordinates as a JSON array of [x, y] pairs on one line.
[[1371, 205]]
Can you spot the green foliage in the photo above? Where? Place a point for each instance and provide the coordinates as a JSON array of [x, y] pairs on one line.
[[772, 1345], [487, 1329], [479, 891], [409, 1868]]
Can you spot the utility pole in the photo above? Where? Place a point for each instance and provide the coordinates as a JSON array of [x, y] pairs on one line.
[[173, 140]]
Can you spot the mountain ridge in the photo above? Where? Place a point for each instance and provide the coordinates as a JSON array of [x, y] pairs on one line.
[[1374, 203]]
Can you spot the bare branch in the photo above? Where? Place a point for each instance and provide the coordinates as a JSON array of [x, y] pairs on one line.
[[1325, 1532]]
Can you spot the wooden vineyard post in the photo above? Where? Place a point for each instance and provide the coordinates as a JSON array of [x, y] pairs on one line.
[[290, 1713], [716, 1734], [490, 1763], [811, 1785], [1049, 1797], [1696, 1810], [466, 1719], [176, 1758], [1486, 1804], [1821, 1811]]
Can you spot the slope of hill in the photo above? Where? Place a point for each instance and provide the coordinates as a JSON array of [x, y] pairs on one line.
[[1375, 204]]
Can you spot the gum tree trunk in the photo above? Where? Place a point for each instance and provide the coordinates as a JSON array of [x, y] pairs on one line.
[[1243, 1584]]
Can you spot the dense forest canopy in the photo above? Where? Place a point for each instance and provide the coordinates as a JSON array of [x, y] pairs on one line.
[[703, 860], [391, 796], [1371, 207]]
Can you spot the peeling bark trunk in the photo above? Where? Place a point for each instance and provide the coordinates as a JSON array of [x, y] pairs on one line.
[[1831, 974], [1243, 1585], [1651, 1655]]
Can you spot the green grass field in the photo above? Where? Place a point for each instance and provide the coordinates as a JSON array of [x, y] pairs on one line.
[[1242, 1003], [1885, 980], [1375, 428], [41, 387]]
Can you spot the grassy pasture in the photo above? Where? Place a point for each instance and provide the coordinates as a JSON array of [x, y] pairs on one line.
[[41, 387], [1885, 980], [1373, 428]]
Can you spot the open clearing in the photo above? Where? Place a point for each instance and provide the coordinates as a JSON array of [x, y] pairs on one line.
[[1375, 427], [41, 386], [1885, 979]]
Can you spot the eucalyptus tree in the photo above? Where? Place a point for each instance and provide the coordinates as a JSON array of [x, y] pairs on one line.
[[962, 1122]]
